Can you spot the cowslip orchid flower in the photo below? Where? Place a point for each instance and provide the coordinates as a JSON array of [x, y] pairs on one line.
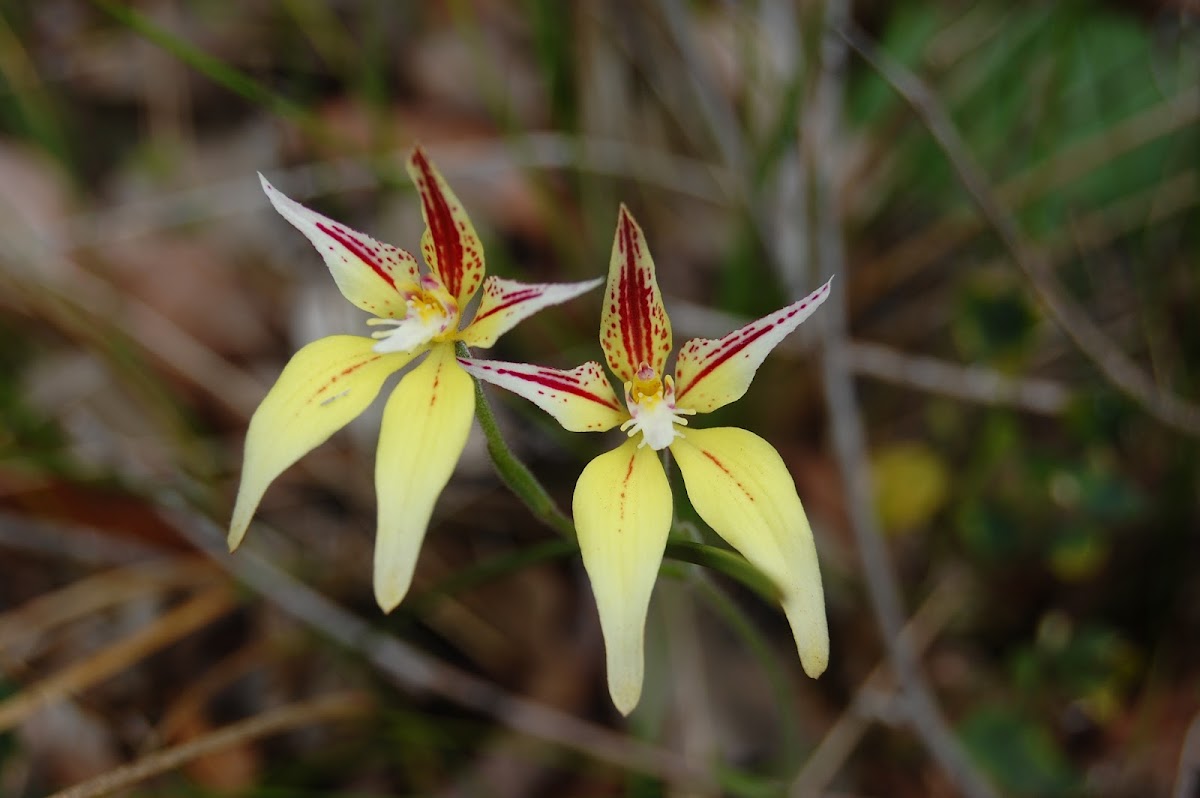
[[416, 312], [735, 480]]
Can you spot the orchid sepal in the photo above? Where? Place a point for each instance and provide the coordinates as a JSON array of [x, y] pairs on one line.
[[740, 486], [713, 372], [424, 430], [372, 275], [622, 508], [581, 399], [634, 328], [324, 387], [505, 303], [450, 244]]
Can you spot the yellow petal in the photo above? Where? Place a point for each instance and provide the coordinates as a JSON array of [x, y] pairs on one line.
[[634, 328], [373, 275], [622, 516], [581, 399], [712, 372], [506, 303], [450, 245], [424, 430], [740, 486], [324, 386]]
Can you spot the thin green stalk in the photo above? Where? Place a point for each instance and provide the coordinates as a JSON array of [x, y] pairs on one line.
[[515, 474], [727, 562], [204, 63], [493, 568]]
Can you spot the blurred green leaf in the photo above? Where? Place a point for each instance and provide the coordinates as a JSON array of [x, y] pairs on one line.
[[1021, 756], [989, 531], [1078, 552], [995, 322]]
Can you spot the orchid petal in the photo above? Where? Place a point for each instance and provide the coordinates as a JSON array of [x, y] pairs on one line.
[[372, 275], [450, 245], [425, 425], [623, 514], [505, 303], [634, 328], [581, 399], [323, 387], [711, 373], [740, 486]]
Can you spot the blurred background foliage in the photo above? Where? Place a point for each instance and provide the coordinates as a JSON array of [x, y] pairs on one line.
[[148, 297]]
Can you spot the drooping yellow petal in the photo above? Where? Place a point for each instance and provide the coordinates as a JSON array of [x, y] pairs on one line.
[[424, 430], [634, 328], [374, 276], [505, 303], [712, 372], [323, 387], [581, 399], [622, 515], [450, 245], [740, 486]]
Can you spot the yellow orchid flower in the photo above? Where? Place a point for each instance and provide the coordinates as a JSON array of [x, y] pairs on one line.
[[331, 381], [736, 481]]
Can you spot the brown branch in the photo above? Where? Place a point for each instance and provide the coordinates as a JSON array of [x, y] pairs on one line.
[[24, 629], [940, 238], [415, 671], [972, 383], [164, 630], [818, 149], [318, 710], [838, 743], [1117, 367]]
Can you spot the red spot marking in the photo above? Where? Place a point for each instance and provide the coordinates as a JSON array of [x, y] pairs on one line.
[[447, 243], [561, 385], [508, 301], [348, 370], [358, 250], [720, 357]]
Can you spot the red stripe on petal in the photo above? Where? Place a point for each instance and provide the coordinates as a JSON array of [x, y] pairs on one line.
[[442, 228], [727, 472], [508, 301], [636, 298], [358, 250], [557, 383], [727, 350]]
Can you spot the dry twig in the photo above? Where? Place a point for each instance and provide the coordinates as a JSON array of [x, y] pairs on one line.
[[417, 672], [1117, 367], [839, 742], [818, 149], [305, 713], [164, 630]]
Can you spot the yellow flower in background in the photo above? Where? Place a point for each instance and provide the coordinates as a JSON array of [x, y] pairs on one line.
[[331, 381], [736, 481]]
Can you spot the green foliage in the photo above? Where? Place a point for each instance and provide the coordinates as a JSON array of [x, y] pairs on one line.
[[1019, 754], [995, 322]]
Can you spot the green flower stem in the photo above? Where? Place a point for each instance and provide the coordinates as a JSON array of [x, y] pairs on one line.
[[727, 562], [493, 568], [515, 474]]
